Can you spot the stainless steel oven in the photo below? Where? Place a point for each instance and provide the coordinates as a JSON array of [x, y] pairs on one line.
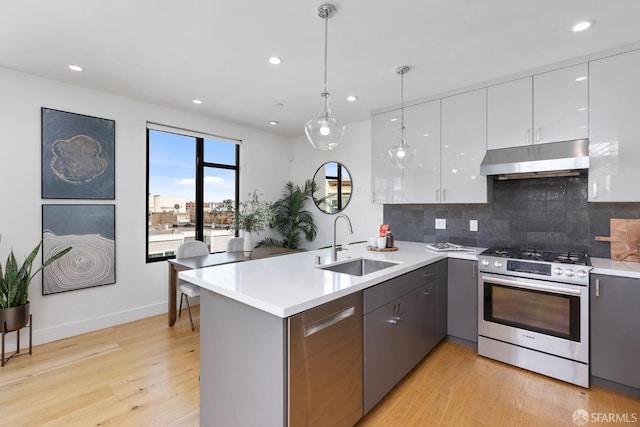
[[534, 313]]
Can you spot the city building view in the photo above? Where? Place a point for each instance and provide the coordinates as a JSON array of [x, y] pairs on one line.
[[172, 222]]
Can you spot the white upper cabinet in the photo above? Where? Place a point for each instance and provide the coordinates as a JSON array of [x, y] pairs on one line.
[[417, 183], [509, 114], [560, 105], [386, 180], [548, 107], [422, 177], [463, 145], [614, 140]]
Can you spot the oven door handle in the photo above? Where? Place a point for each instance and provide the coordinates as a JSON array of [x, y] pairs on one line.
[[533, 287]]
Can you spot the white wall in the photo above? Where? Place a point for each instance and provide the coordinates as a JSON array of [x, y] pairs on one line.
[[140, 289], [354, 152]]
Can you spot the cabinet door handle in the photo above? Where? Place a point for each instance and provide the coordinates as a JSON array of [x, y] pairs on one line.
[[426, 293], [396, 315], [595, 190], [328, 321], [597, 287], [474, 271], [437, 195], [527, 136], [537, 134], [444, 195]]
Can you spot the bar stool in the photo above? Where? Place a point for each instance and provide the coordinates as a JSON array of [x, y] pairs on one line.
[[189, 290]]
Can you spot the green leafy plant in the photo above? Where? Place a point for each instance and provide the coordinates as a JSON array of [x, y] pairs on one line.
[[289, 217], [253, 214], [15, 280]]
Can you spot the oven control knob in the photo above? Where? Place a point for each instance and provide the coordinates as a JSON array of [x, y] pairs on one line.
[[557, 271], [485, 262], [581, 274], [568, 272], [497, 263]]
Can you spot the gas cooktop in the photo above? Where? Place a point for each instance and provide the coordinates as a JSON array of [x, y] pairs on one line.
[[561, 257], [566, 267]]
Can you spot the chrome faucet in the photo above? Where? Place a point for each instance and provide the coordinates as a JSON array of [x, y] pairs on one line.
[[334, 248]]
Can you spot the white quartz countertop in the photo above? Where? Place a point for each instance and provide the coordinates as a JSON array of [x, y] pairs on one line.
[[615, 268], [289, 284]]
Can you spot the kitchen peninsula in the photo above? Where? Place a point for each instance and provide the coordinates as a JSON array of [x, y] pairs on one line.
[[248, 313]]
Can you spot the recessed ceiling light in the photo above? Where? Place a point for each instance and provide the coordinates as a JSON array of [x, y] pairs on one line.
[[75, 67], [394, 119], [352, 98], [425, 134], [581, 26], [197, 101], [581, 78], [275, 60], [273, 122]]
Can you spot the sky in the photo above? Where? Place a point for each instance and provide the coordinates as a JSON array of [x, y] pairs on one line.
[[172, 167]]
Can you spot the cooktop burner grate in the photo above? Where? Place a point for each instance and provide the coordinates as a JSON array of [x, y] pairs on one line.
[[560, 257]]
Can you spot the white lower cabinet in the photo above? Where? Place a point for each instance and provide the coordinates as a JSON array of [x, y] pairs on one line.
[[614, 124]]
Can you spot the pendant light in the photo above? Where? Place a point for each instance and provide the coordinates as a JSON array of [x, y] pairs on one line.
[[402, 153], [325, 131]]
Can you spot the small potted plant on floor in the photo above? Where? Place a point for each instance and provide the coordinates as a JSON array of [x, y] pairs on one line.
[[14, 288], [253, 216]]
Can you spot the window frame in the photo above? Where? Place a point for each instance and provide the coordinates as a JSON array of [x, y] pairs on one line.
[[200, 165]]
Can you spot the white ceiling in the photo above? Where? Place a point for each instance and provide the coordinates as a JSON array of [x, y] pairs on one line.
[[169, 52]]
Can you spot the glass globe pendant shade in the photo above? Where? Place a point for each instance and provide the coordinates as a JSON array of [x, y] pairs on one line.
[[402, 154], [325, 131]]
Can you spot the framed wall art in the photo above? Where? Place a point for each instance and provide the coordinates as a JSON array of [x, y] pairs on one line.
[[78, 156], [90, 231]]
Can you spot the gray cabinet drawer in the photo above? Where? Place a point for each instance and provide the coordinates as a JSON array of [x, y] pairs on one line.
[[379, 295]]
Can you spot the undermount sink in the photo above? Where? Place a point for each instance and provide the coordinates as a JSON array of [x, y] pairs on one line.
[[358, 266]]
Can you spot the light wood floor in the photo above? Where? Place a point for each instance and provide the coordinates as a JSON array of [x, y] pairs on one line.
[[146, 374]]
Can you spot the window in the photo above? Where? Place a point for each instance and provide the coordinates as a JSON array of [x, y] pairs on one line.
[[192, 188]]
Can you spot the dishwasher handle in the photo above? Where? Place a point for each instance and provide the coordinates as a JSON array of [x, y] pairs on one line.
[[331, 320]]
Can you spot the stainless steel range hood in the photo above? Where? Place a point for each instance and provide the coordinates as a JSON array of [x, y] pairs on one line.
[[564, 158]]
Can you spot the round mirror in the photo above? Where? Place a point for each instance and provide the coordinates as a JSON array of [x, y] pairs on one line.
[[333, 183]]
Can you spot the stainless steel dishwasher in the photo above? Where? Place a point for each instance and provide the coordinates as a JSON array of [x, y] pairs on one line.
[[325, 364]]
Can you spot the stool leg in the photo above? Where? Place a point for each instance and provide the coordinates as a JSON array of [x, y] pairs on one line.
[[180, 311], [190, 318]]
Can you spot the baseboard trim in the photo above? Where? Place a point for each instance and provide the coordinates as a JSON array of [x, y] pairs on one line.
[[45, 335]]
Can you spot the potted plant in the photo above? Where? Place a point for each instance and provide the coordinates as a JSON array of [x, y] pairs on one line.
[[253, 216], [289, 217], [14, 288]]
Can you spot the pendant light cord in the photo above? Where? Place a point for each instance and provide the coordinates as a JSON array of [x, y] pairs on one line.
[[326, 30], [402, 104]]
